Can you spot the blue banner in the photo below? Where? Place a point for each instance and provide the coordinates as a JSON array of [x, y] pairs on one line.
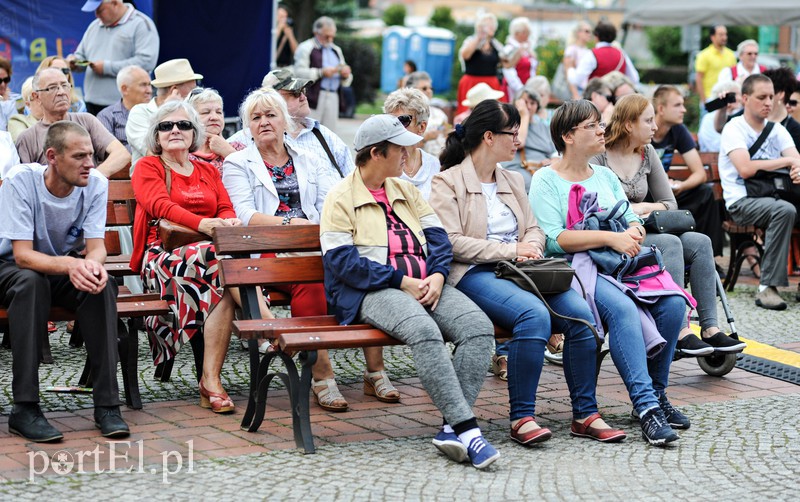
[[31, 30]]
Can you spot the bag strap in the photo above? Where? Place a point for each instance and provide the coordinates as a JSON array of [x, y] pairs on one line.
[[535, 291], [761, 139], [324, 143], [168, 182]]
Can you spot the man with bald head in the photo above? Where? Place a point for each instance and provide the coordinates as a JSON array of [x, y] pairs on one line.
[[52, 90], [134, 86]]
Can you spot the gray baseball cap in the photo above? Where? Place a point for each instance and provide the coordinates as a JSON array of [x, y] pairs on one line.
[[384, 128], [283, 79]]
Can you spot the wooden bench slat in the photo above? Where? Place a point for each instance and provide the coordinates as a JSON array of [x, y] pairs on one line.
[[132, 307], [266, 328], [255, 272], [282, 238], [339, 339]]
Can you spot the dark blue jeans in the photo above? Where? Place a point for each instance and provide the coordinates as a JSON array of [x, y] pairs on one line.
[[522, 313], [644, 378]]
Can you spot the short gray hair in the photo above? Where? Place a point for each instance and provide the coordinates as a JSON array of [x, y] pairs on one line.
[[540, 84], [409, 99], [27, 89], [417, 76], [726, 87], [200, 95], [743, 45], [519, 24], [151, 140], [125, 75], [38, 76], [269, 98], [322, 23], [486, 16], [56, 136]]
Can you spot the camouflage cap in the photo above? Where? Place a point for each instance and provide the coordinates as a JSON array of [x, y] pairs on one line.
[[283, 79]]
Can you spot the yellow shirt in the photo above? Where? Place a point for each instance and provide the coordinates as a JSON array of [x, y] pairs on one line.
[[710, 62]]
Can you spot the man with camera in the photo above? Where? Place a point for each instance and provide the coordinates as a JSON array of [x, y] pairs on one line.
[[751, 147]]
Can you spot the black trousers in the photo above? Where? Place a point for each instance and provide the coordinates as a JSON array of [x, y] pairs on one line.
[[28, 296], [93, 108], [707, 214]]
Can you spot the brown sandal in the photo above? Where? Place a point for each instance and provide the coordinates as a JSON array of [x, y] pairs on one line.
[[378, 384], [327, 395], [499, 371], [556, 343]]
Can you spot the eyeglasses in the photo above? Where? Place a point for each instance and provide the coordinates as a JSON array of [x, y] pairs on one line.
[[194, 93], [792, 102], [405, 119], [5, 80], [591, 126], [65, 71], [750, 53], [167, 125], [66, 86], [514, 135], [295, 94]]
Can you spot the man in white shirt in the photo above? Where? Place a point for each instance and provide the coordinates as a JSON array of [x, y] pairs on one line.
[[736, 165]]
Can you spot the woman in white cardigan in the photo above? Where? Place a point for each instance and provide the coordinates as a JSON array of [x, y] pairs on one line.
[[273, 183]]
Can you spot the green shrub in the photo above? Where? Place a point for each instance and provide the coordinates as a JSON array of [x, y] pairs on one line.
[[364, 56], [395, 15], [550, 53], [442, 17]]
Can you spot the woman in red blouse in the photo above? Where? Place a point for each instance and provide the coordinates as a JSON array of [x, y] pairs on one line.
[[186, 277]]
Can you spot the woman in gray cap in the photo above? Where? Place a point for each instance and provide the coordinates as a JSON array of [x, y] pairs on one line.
[[386, 257]]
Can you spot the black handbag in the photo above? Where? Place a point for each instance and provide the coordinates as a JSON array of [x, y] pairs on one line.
[[544, 277], [549, 275], [778, 183], [676, 221]]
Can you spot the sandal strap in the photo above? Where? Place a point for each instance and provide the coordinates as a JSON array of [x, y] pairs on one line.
[[329, 394], [591, 419], [380, 381], [523, 421]]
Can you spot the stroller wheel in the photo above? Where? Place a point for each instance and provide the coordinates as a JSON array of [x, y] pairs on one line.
[[717, 364]]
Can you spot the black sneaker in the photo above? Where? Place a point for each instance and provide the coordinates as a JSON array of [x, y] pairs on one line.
[[675, 418], [692, 345], [109, 420], [27, 420], [723, 343], [655, 429]]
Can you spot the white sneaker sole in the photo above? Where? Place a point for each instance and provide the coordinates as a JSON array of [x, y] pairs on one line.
[[455, 451]]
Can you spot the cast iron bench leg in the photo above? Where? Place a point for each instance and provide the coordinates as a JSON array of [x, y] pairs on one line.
[[301, 416], [129, 358]]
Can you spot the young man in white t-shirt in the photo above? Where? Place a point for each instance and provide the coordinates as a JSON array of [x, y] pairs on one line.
[[735, 165], [59, 210]]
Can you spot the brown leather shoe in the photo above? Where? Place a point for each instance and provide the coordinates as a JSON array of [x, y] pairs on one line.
[[585, 430], [770, 299]]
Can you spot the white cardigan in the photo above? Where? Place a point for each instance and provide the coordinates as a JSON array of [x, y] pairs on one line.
[[252, 191]]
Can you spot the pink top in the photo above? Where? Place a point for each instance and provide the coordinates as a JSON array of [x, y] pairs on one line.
[[405, 252]]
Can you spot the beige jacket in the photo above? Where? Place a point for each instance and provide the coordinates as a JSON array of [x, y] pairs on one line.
[[457, 198]]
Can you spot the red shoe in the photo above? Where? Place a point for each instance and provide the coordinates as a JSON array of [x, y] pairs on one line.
[[535, 436], [218, 403], [51, 327], [585, 430]]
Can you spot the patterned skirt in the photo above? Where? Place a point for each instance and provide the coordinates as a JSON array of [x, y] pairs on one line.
[[188, 279]]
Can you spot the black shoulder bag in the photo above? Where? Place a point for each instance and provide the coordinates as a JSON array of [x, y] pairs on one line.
[[324, 143], [777, 184]]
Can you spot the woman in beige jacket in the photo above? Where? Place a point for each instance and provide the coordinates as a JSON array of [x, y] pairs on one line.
[[488, 218]]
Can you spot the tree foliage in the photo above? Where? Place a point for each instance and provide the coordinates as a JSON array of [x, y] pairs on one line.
[[442, 17], [395, 15]]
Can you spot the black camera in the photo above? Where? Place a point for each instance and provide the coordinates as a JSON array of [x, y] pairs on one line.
[[716, 104]]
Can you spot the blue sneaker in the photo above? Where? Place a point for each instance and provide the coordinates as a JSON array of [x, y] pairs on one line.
[[655, 428], [449, 444], [481, 453]]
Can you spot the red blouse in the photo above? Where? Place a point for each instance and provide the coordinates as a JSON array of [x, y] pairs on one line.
[[192, 198]]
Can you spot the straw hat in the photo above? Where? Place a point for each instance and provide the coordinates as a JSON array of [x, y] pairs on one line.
[[174, 71], [481, 92]]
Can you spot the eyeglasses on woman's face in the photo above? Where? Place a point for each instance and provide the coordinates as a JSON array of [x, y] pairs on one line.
[[514, 134], [168, 125], [591, 126], [405, 119]]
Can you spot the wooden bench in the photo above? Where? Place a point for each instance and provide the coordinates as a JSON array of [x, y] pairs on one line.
[[741, 237], [129, 306], [305, 335]]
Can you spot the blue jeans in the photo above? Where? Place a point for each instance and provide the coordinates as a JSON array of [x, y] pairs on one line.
[[522, 313], [644, 378]]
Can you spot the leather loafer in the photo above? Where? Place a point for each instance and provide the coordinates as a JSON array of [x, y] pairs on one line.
[[109, 420], [535, 436], [27, 420], [585, 430]]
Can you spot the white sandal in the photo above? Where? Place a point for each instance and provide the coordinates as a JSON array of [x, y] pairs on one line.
[[378, 384], [328, 398]]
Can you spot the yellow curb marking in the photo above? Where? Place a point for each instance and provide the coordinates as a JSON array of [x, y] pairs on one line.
[[764, 351]]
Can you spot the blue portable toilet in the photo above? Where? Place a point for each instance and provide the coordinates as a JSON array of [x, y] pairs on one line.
[[433, 49], [395, 42]]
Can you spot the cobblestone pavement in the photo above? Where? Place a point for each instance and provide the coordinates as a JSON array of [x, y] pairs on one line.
[[733, 450]]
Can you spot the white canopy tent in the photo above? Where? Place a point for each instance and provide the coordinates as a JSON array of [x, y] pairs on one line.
[[728, 12]]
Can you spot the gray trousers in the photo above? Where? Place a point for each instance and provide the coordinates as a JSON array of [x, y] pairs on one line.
[[453, 384], [694, 249], [777, 217]]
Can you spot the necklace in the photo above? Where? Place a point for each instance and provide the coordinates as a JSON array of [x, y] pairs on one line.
[[415, 165]]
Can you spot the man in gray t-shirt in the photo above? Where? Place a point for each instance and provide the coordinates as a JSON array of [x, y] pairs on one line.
[[59, 210]]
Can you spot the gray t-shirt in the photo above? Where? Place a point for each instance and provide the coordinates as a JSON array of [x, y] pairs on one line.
[[30, 144], [57, 226]]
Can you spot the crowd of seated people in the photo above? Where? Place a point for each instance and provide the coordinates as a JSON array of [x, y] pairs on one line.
[[409, 239]]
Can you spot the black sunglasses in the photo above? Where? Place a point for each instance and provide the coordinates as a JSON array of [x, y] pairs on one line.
[[166, 126], [405, 119], [5, 80], [792, 102], [65, 71]]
